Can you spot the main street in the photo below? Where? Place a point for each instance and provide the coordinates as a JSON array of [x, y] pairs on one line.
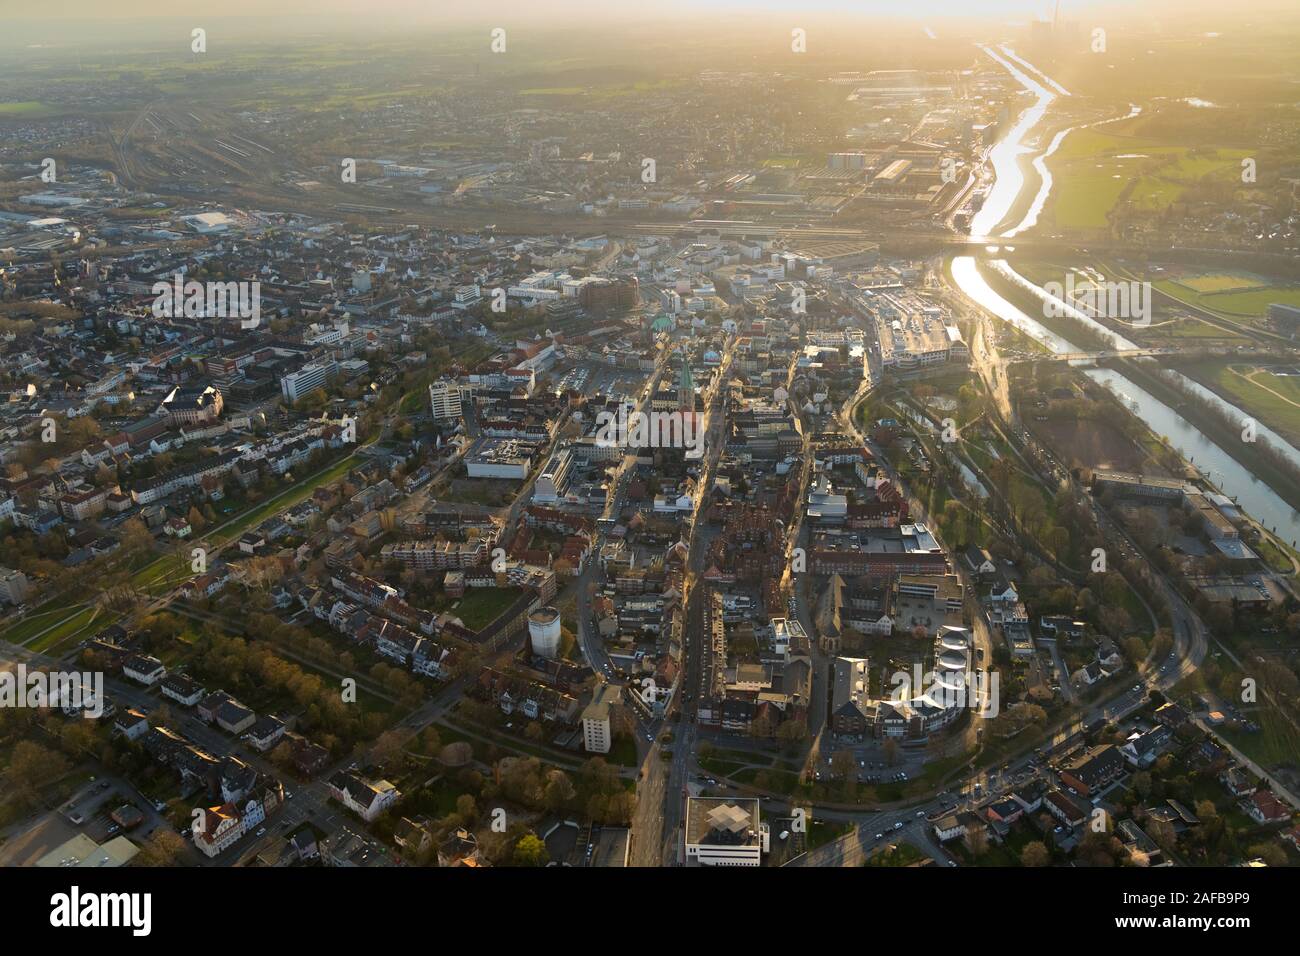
[[656, 830]]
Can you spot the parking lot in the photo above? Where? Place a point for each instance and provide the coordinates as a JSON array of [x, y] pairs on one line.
[[873, 766], [87, 812], [90, 811]]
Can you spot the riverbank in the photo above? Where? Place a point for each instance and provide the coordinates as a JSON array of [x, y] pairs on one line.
[[1073, 331], [1202, 416], [1239, 383]]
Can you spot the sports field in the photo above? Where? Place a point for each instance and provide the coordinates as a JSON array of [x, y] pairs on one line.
[[1239, 302], [1222, 282], [23, 108]]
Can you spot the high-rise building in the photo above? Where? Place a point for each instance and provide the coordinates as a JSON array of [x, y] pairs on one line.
[[553, 483], [308, 378], [597, 735], [13, 586], [447, 399]]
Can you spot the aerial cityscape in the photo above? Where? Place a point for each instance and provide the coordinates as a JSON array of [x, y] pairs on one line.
[[723, 435]]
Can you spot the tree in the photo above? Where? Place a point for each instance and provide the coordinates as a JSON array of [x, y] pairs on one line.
[[1099, 849], [32, 766], [1135, 650], [388, 751], [1034, 854], [467, 808], [891, 751], [1270, 853], [842, 764], [559, 790], [1206, 812], [531, 851], [791, 735], [163, 848], [135, 536], [1142, 784]]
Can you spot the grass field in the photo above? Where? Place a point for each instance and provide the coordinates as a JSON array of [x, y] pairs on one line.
[[1276, 743], [481, 606], [77, 628], [1274, 399], [53, 631], [1092, 171], [1222, 282], [1084, 199], [25, 108], [38, 621], [1249, 303]]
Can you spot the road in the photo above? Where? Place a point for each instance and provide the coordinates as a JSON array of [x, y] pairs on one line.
[[656, 830]]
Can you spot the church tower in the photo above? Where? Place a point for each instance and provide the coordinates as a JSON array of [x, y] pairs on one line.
[[686, 388]]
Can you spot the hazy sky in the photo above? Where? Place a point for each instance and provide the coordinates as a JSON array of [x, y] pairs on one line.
[[479, 10], [137, 24]]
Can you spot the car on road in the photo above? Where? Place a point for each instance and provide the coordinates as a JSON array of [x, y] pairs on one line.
[[261, 831], [898, 825], [880, 836]]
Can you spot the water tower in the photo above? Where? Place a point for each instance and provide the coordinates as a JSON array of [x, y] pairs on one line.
[[544, 632]]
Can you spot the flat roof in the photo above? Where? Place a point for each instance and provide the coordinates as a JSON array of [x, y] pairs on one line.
[[703, 813], [82, 851]]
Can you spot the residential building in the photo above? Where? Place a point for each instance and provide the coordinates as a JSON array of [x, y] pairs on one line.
[[1094, 769], [597, 735], [366, 798]]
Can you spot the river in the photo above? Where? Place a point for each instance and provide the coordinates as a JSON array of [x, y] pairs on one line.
[[1234, 479]]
